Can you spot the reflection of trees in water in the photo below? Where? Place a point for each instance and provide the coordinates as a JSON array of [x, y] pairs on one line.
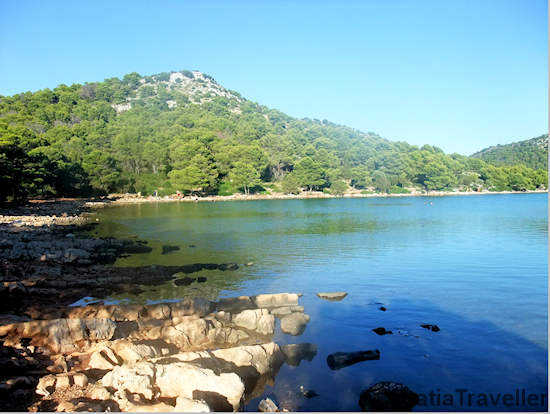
[[216, 281], [328, 226]]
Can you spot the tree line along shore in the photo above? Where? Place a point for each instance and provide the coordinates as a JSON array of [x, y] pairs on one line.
[[182, 131]]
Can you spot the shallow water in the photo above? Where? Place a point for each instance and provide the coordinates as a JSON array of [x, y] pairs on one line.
[[477, 266]]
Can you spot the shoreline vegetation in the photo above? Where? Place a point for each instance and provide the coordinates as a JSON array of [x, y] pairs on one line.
[[182, 131]]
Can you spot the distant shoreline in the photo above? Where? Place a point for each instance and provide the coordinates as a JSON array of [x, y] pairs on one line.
[[122, 199]]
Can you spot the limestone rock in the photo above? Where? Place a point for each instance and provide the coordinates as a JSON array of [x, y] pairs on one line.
[[276, 300], [62, 382], [332, 296], [131, 352], [258, 320], [187, 405], [137, 379], [80, 380], [46, 385], [159, 407], [61, 335], [267, 406], [103, 358], [221, 392], [262, 358], [97, 392], [295, 323]]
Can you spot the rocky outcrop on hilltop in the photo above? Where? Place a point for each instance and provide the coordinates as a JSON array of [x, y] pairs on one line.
[[196, 86]]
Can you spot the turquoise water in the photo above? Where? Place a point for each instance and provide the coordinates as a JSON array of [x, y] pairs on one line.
[[477, 266]]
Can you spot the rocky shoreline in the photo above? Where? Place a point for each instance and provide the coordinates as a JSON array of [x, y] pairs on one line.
[[191, 355], [122, 199]]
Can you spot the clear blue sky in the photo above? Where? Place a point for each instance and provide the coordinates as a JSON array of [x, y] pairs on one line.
[[461, 75]]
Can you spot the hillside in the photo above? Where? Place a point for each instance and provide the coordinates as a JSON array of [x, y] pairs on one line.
[[182, 131], [532, 153]]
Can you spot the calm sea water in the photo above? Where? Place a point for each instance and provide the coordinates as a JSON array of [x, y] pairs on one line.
[[477, 266]]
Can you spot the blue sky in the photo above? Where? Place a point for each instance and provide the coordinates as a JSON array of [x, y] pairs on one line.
[[461, 75]]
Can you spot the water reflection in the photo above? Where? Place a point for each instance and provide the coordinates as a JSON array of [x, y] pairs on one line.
[[475, 266]]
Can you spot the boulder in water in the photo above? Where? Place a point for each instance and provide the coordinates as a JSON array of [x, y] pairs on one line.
[[388, 396], [430, 327], [381, 331], [295, 323], [267, 406], [340, 360], [167, 249], [184, 281], [332, 296]]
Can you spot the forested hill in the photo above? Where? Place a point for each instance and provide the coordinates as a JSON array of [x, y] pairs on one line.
[[182, 131], [532, 153]]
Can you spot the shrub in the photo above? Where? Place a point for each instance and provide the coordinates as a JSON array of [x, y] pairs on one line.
[[290, 184], [338, 188], [226, 189], [163, 77], [398, 190]]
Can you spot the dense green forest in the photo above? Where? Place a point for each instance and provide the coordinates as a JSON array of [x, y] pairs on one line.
[[181, 131], [532, 153]]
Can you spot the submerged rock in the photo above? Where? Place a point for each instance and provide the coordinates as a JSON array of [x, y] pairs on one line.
[[381, 331], [332, 296], [184, 281], [388, 396], [228, 266], [285, 310], [167, 249], [340, 360], [295, 353], [295, 323], [308, 393], [267, 406], [433, 328]]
